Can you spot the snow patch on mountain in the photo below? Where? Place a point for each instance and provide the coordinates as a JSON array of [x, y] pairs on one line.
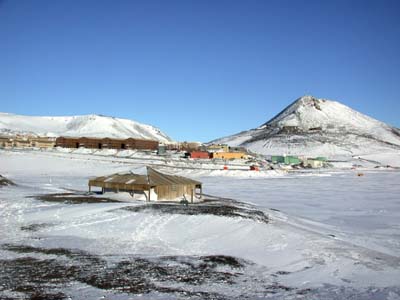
[[311, 126], [79, 126]]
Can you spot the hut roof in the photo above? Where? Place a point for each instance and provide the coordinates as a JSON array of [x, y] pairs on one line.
[[151, 179]]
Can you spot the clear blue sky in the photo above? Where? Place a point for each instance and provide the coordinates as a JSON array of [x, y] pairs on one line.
[[198, 70]]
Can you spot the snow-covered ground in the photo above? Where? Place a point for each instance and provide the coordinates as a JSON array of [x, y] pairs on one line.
[[331, 233]]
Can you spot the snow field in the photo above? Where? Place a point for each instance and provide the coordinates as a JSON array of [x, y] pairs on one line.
[[326, 228]]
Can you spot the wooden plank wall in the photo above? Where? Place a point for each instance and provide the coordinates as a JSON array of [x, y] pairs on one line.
[[170, 192]]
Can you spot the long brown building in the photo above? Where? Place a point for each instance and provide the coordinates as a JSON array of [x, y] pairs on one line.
[[106, 143]]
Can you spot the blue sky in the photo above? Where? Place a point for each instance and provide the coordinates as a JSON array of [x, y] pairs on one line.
[[198, 70]]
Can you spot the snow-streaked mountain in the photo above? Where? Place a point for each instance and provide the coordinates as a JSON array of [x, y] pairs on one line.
[[79, 126], [311, 126]]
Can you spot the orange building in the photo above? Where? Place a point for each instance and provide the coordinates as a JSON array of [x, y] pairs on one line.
[[229, 155]]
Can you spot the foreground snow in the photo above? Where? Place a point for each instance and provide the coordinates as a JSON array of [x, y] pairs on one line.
[[331, 234]]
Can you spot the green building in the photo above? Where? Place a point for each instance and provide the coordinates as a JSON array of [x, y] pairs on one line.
[[277, 159], [287, 160]]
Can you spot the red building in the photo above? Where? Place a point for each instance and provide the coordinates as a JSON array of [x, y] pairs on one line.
[[199, 154]]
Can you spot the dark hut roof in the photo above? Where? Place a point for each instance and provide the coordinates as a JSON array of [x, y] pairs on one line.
[[151, 179], [158, 178]]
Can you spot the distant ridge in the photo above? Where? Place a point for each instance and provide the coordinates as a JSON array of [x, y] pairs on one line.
[[83, 126], [312, 126]]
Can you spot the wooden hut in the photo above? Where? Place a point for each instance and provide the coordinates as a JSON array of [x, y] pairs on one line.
[[167, 187]]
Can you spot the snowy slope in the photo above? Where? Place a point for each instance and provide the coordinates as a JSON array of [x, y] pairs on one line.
[[86, 125], [340, 241], [314, 126]]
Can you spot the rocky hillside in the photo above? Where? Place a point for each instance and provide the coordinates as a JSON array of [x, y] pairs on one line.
[[311, 126]]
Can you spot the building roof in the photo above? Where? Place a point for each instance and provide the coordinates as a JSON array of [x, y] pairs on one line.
[[132, 181]]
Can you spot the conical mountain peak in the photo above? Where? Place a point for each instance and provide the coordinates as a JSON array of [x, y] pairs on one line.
[[311, 125]]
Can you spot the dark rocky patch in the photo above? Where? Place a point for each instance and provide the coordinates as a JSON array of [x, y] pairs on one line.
[[274, 209], [396, 131], [182, 277], [223, 260], [35, 227], [42, 295], [135, 275], [220, 207], [48, 251], [282, 273], [5, 182], [276, 287], [72, 198]]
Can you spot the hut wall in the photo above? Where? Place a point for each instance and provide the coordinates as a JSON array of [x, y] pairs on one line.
[[170, 192], [115, 186]]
